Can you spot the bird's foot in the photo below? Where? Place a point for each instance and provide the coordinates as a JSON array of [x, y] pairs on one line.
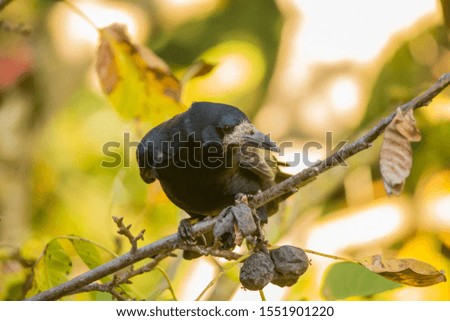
[[242, 198], [185, 233], [186, 237]]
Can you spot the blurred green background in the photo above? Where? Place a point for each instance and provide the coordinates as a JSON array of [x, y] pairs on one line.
[[297, 68]]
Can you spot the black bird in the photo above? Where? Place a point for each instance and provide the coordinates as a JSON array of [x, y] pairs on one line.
[[207, 155]]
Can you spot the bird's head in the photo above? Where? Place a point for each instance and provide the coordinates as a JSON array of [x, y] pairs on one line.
[[228, 125]]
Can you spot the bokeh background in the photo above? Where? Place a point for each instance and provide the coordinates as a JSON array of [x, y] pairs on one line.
[[298, 68]]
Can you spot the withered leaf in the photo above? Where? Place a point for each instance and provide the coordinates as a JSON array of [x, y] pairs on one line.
[[234, 224], [244, 219], [197, 69], [224, 230], [396, 152], [405, 271], [138, 83]]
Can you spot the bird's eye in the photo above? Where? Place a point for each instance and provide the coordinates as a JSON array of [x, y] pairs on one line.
[[227, 129]]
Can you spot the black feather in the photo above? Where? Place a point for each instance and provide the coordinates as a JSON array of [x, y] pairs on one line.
[[197, 170]]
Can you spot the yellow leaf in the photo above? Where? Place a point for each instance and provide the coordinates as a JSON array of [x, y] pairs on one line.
[[405, 271], [396, 152], [138, 83]]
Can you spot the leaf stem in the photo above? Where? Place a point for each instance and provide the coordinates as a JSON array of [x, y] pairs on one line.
[[334, 257], [227, 267], [78, 238], [168, 282], [78, 11], [262, 295]]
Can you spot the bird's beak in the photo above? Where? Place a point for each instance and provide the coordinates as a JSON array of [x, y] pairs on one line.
[[259, 140], [247, 134]]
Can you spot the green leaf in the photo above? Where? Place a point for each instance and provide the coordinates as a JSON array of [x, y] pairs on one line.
[[347, 279], [89, 254], [87, 251], [51, 269]]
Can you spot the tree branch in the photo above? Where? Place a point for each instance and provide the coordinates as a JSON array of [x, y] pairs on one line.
[[349, 150], [163, 245], [171, 242], [122, 278], [102, 288], [203, 250]]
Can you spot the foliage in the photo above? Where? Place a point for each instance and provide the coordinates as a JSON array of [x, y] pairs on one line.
[[347, 279], [72, 194]]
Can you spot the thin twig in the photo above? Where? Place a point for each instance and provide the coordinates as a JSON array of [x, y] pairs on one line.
[[102, 288], [205, 251], [125, 231], [349, 150], [122, 278], [170, 243], [125, 277], [163, 245]]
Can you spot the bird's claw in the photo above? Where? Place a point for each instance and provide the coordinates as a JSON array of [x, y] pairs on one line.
[[242, 198], [185, 233]]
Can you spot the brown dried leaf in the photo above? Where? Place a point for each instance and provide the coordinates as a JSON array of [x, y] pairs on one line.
[[244, 219], [405, 123], [224, 229], [197, 69], [107, 69], [405, 271], [396, 152]]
